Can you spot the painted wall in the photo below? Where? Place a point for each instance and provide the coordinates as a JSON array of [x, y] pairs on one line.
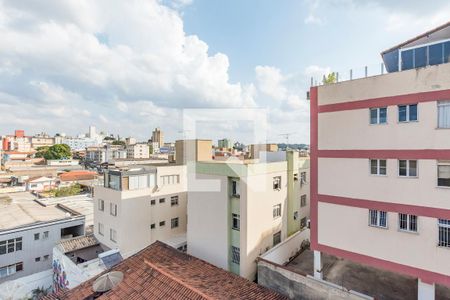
[[136, 214], [347, 228]]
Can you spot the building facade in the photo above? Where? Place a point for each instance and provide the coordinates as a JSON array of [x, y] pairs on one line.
[[158, 137], [380, 165], [140, 205], [138, 151], [28, 234], [237, 211]]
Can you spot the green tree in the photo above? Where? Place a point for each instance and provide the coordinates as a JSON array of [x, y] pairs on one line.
[[330, 78], [58, 151], [41, 151], [72, 190], [116, 142]]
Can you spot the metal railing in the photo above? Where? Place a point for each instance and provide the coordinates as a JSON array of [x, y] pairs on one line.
[[351, 74]]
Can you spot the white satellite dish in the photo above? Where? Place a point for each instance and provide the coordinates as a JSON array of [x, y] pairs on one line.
[[107, 281]]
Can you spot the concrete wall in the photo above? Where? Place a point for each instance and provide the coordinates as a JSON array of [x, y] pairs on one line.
[[347, 228], [208, 224], [296, 286], [282, 253]]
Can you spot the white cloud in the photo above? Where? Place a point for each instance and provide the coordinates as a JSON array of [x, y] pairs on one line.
[[312, 17]]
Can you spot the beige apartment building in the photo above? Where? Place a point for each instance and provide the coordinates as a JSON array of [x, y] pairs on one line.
[[239, 210], [140, 205], [138, 151], [158, 137], [380, 165]]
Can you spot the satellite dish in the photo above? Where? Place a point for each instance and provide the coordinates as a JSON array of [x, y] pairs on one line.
[[107, 281]]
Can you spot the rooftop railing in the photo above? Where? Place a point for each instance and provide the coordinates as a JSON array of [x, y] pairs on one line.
[[346, 75]]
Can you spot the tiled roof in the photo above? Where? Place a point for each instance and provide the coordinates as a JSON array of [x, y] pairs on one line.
[[162, 272], [77, 175], [78, 243]]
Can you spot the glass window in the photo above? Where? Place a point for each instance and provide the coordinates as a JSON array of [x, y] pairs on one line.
[[412, 112], [444, 233], [303, 201], [407, 168], [391, 61], [235, 255], [443, 114], [152, 226], [277, 211], [382, 163], [412, 167], [174, 223], [373, 116], [377, 218], [420, 57], [2, 247], [36, 236], [444, 174], [407, 222], [402, 113], [162, 223], [114, 182], [436, 54], [277, 183], [446, 52], [407, 113], [408, 59], [277, 238], [378, 166], [236, 223], [173, 200], [383, 115]]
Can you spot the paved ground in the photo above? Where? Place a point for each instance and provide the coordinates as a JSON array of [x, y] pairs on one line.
[[382, 285]]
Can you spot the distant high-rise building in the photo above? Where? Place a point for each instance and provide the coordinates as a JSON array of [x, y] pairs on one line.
[[92, 133], [158, 137], [225, 143]]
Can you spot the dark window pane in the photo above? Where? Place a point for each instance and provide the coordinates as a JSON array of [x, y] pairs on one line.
[[447, 52], [413, 112], [413, 223], [383, 115], [420, 57], [382, 167], [402, 113], [407, 60], [373, 166], [373, 116], [444, 176], [403, 221], [391, 61], [402, 167], [436, 54]]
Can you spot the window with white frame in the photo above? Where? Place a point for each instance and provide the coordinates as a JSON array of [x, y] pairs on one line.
[[277, 183], [173, 200], [11, 269], [101, 229], [113, 209], [443, 114], [443, 169], [378, 115], [378, 166], [407, 222], [137, 182], [170, 179], [101, 205], [407, 168], [303, 201], [174, 223], [235, 222], [444, 232], [407, 113], [235, 255], [277, 211], [112, 235], [10, 245], [377, 218], [277, 238]]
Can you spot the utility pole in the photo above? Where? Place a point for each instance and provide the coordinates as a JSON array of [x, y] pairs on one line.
[[286, 136]]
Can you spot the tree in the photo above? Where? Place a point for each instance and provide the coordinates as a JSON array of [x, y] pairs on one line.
[[58, 151], [116, 142], [330, 78]]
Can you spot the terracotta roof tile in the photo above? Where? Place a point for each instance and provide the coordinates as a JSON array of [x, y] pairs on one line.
[[162, 272]]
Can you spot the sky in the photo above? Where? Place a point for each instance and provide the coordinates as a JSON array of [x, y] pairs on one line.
[[241, 67]]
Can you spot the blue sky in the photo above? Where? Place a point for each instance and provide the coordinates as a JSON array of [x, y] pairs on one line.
[[130, 66]]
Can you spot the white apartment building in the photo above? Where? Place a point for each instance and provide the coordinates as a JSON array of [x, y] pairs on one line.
[[139, 205], [380, 165], [138, 151], [28, 233], [239, 210]]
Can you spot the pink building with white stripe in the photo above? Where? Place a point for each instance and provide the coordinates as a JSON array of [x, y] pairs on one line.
[[380, 165]]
